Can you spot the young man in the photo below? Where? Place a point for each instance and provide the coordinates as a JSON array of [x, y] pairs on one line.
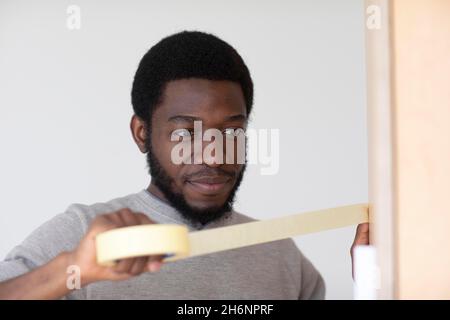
[[186, 77]]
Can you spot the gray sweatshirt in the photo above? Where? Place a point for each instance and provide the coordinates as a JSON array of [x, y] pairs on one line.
[[275, 270]]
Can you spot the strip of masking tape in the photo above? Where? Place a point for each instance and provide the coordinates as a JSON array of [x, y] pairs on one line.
[[177, 243]]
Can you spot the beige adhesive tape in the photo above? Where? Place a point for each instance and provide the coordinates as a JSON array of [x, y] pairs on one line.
[[176, 241]]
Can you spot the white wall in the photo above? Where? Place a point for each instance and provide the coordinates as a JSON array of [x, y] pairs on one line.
[[65, 108]]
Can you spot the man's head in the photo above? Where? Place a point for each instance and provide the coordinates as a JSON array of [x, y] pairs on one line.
[[187, 77]]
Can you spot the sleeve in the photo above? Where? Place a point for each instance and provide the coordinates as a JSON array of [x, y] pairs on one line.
[[312, 283], [61, 233]]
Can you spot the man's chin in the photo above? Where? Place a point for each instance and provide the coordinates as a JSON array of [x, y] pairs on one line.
[[199, 210], [204, 216], [205, 205]]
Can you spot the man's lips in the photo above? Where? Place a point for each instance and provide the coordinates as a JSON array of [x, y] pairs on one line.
[[209, 185]]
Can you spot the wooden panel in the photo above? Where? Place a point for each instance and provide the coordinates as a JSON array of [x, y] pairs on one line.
[[421, 93]]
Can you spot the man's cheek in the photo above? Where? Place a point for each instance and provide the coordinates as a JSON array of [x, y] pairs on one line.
[[165, 154], [173, 170]]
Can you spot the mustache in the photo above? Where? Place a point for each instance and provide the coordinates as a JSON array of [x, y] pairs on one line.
[[210, 172]]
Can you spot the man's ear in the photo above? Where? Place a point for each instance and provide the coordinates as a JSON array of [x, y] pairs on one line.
[[139, 132]]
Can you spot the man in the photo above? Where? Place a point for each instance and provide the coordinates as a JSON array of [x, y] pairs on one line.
[[186, 77]]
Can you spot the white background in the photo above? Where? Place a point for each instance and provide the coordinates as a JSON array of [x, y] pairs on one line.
[[65, 108]]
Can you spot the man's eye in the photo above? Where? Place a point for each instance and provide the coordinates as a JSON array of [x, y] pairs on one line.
[[183, 133], [233, 132]]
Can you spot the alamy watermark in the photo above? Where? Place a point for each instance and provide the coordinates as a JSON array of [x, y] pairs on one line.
[[73, 21], [228, 146], [373, 21], [73, 280]]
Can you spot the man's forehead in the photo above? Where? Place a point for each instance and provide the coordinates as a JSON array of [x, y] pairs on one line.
[[197, 97]]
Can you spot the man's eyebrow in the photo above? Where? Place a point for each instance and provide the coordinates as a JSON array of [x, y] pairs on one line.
[[237, 117], [181, 118], [185, 118]]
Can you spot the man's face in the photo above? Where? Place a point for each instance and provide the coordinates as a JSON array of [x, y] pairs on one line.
[[202, 191]]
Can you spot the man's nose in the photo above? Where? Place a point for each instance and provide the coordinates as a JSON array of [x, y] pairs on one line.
[[210, 153]]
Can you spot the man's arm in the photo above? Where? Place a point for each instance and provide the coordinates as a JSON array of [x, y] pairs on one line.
[[49, 281], [45, 282]]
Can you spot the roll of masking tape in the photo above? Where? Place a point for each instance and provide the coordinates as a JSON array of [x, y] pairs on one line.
[[176, 242]]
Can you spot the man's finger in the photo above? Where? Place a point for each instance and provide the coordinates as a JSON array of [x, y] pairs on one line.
[[362, 234], [138, 266]]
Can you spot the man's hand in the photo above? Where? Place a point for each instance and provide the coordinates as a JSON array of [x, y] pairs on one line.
[[361, 238], [49, 281], [84, 256]]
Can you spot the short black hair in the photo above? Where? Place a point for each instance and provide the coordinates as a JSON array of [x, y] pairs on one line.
[[187, 54]]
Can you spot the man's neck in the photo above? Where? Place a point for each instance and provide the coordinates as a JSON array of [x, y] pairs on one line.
[[154, 190]]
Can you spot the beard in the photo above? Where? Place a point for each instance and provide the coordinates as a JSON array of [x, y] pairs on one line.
[[164, 182]]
